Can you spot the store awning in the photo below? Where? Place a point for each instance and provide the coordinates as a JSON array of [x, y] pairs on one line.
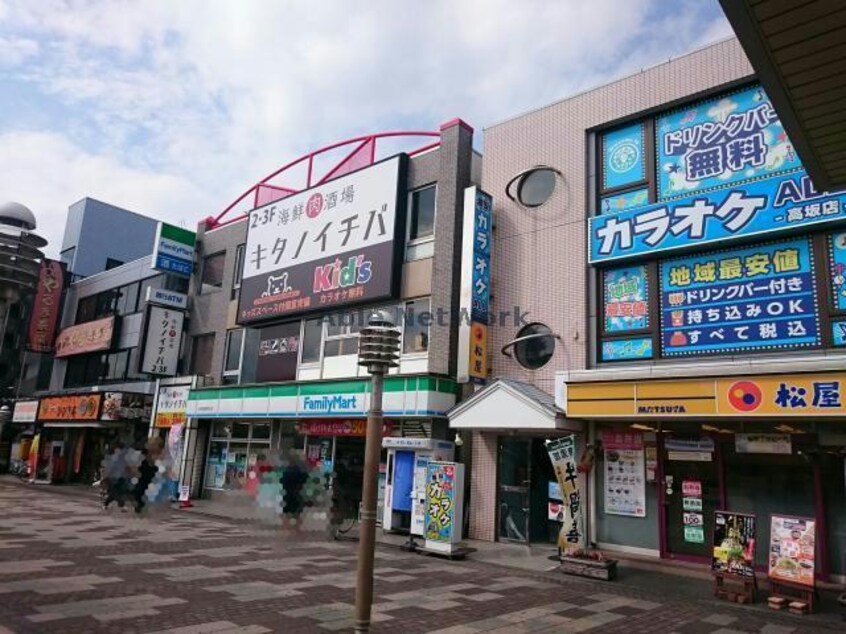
[[798, 51], [81, 425], [509, 404]]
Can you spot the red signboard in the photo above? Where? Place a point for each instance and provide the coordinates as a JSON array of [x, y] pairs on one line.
[[91, 336], [47, 307], [339, 427], [81, 407]]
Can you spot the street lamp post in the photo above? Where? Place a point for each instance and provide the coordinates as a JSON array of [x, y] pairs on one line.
[[378, 350]]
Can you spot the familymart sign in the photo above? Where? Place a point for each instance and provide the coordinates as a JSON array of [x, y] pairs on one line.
[[404, 396], [173, 250]]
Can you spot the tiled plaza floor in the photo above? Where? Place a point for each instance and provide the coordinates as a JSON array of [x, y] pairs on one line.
[[67, 566]]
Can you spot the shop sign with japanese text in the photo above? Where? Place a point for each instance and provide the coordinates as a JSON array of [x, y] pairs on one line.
[[173, 250], [625, 299], [330, 246], [46, 307], [91, 336], [25, 411], [172, 405], [562, 454], [758, 298], [440, 501], [81, 407], [475, 289], [339, 428], [761, 207], [728, 139], [162, 340]]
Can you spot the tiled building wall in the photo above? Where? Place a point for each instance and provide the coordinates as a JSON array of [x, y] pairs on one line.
[[483, 487], [540, 255]]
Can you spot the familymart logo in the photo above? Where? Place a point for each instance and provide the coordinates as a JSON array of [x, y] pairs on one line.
[[328, 404]]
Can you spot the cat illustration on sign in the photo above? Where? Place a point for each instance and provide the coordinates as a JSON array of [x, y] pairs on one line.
[[276, 285]]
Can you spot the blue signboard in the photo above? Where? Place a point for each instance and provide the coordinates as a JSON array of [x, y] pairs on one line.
[[838, 333], [623, 162], [620, 202], [758, 298], [764, 206], [480, 306], [714, 143], [837, 256], [627, 349], [625, 299]]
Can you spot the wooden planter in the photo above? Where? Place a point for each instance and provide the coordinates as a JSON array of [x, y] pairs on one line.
[[605, 570]]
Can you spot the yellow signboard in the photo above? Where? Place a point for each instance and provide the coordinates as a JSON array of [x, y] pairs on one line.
[[743, 396], [478, 352]]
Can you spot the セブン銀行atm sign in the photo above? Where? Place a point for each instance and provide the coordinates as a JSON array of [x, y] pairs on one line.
[[330, 246], [761, 207]]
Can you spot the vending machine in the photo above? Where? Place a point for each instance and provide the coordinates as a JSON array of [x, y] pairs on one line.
[[405, 480]]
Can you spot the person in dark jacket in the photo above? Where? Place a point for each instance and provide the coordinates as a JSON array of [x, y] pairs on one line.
[[146, 472]]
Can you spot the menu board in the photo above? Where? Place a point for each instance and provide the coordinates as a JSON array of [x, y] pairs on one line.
[[625, 488], [734, 544], [792, 549]]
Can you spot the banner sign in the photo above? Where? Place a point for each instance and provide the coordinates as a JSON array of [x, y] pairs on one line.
[[162, 341], [25, 412], [562, 454], [623, 157], [92, 336], [625, 299], [475, 289], [173, 250], [84, 407], [339, 428], [728, 139], [734, 544], [757, 298], [760, 207], [47, 307], [441, 492], [327, 247], [278, 352], [172, 406], [792, 554], [625, 487]]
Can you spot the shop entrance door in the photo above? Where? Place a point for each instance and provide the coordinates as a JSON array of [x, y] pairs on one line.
[[691, 495], [514, 488]]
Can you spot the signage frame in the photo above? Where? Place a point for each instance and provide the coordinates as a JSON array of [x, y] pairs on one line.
[[110, 323]]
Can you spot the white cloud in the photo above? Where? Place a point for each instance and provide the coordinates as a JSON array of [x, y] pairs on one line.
[[15, 50], [203, 98]]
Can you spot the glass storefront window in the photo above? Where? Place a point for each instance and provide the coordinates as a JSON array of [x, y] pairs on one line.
[[234, 450], [261, 431], [310, 346], [241, 430], [236, 466]]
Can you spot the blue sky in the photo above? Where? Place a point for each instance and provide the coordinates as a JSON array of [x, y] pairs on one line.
[[172, 108]]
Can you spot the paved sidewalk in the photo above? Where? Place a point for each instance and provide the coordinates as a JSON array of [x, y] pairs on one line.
[[67, 566]]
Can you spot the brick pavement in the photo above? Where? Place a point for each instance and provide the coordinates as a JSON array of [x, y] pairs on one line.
[[67, 566]]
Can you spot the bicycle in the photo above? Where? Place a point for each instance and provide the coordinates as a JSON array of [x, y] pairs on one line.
[[345, 516]]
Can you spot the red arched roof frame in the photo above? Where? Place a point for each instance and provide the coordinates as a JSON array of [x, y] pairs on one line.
[[362, 153]]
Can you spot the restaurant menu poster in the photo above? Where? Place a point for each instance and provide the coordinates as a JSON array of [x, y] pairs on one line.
[[625, 477], [792, 549], [734, 544]]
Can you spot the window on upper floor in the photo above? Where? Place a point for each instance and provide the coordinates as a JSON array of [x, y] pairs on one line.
[[417, 318], [211, 279], [240, 250], [421, 223], [202, 351], [233, 354]]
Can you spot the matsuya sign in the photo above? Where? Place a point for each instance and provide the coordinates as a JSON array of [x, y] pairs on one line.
[[327, 247]]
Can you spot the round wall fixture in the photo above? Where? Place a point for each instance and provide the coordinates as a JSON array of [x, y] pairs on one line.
[[534, 186], [533, 347]]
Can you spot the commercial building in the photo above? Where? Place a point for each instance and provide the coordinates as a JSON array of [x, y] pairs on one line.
[[279, 297], [682, 282]]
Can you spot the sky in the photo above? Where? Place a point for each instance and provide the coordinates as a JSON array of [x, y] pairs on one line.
[[173, 108]]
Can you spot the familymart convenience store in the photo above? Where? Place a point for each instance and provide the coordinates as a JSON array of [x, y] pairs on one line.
[[234, 429]]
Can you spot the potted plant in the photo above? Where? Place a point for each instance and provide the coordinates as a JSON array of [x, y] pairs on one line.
[[590, 563]]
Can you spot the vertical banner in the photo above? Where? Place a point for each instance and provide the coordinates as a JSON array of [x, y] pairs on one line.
[[792, 554], [734, 544], [162, 340], [562, 454], [625, 489], [444, 505], [475, 290], [174, 448], [47, 307]]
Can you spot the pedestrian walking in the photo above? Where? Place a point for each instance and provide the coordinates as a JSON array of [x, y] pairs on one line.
[[116, 473]]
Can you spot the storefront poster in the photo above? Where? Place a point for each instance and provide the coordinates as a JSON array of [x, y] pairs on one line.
[[440, 501], [757, 298], [763, 443], [112, 403], [327, 247], [837, 262], [651, 453], [57, 408], [555, 511], [562, 454], [625, 487], [172, 405], [627, 349], [728, 139], [734, 544], [694, 534], [625, 299], [761, 207], [694, 529], [692, 488], [278, 351], [620, 202], [692, 504], [554, 491], [792, 554], [838, 333], [623, 160]]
